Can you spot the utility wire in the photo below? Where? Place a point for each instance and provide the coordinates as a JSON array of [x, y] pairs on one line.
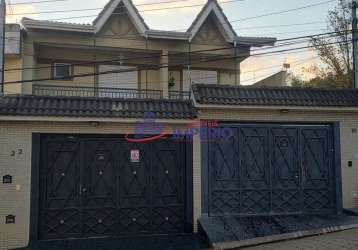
[[294, 64], [36, 2], [124, 12], [267, 75], [177, 53], [283, 11], [182, 53], [161, 66], [301, 37], [275, 13], [280, 25], [280, 65], [238, 20], [292, 32]]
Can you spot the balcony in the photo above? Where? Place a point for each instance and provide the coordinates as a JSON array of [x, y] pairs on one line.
[[53, 90]]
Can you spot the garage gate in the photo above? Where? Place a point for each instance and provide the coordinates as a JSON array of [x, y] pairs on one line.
[[93, 186], [266, 169]]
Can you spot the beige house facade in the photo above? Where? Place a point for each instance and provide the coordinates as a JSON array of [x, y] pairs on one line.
[[120, 40]]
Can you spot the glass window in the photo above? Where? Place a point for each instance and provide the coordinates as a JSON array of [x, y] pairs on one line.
[[62, 70]]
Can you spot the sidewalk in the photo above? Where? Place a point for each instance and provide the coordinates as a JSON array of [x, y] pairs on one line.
[[345, 240]]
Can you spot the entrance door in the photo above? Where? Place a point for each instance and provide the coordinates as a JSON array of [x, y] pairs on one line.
[[97, 193], [60, 213], [95, 186], [152, 188], [285, 170]]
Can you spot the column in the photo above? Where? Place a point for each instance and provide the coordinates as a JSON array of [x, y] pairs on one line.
[[164, 75], [28, 62]]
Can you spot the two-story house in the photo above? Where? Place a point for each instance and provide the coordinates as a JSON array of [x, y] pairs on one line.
[[56, 55], [114, 129]]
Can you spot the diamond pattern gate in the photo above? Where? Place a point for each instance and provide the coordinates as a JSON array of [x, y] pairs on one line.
[[268, 169], [90, 186]]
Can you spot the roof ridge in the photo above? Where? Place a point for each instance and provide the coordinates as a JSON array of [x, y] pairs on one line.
[[272, 87], [93, 98], [94, 107], [274, 96], [56, 22]]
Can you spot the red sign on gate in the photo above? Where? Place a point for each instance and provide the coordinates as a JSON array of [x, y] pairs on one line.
[[135, 155]]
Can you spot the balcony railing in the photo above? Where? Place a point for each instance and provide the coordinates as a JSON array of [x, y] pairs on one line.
[[179, 95], [53, 90]]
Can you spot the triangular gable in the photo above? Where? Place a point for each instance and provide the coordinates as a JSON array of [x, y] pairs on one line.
[[209, 31], [222, 22], [133, 14], [119, 25]]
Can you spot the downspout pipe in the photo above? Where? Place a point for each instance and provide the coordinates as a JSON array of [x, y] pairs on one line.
[[235, 62], [354, 41], [2, 44]]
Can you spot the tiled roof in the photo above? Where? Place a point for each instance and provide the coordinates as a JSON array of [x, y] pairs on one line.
[[55, 25], [287, 96], [94, 107], [26, 19], [256, 41]]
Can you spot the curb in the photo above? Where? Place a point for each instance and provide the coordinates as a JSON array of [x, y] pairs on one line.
[[281, 237]]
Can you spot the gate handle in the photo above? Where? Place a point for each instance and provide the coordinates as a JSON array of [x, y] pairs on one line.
[[82, 190]]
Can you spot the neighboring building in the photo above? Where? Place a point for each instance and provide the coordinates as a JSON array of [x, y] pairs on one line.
[[78, 161], [278, 79]]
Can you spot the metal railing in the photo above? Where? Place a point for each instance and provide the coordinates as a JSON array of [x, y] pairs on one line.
[[54, 90], [179, 95]]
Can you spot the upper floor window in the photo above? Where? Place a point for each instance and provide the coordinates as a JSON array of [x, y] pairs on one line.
[[61, 70]]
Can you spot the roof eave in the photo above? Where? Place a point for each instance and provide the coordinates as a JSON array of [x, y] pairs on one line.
[[275, 107], [256, 41], [38, 24], [53, 118], [158, 34]]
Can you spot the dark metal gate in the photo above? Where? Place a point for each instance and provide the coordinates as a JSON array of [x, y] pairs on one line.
[[272, 169], [94, 186]]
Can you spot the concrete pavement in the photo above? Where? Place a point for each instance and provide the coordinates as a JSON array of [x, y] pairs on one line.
[[344, 240]]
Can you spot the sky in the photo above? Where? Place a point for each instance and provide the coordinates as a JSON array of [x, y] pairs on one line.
[[253, 68]]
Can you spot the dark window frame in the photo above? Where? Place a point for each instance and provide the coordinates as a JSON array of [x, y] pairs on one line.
[[63, 77]]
